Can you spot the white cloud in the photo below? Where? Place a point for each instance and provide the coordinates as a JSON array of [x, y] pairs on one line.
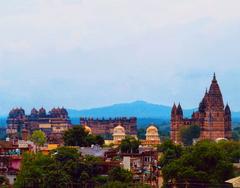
[[133, 49], [85, 24]]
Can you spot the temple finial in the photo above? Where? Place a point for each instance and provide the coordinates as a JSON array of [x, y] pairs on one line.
[[214, 77]]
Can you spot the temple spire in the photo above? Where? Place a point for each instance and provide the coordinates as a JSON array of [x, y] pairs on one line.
[[214, 77], [174, 109], [179, 110], [215, 99], [227, 110]]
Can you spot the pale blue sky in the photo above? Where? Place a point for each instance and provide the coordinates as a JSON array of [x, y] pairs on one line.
[[88, 53]]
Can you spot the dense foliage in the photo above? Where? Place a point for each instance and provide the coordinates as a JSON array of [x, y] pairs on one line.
[[170, 152], [206, 162], [189, 133], [38, 137], [236, 134], [129, 145], [118, 184], [141, 133], [65, 167], [119, 174], [77, 136], [64, 163]]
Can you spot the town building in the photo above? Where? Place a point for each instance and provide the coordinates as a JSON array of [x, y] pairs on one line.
[[53, 124], [105, 127], [213, 118], [10, 154]]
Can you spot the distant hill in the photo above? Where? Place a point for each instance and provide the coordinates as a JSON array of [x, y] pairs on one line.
[[144, 111], [140, 109]]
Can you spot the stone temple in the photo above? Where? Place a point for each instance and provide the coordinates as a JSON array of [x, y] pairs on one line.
[[212, 116]]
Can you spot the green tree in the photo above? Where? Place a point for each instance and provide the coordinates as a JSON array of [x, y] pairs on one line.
[[231, 148], [141, 133], [202, 163], [57, 169], [33, 170], [75, 136], [119, 174], [189, 133], [99, 140], [129, 145], [115, 184], [64, 154], [236, 134], [169, 152], [39, 138]]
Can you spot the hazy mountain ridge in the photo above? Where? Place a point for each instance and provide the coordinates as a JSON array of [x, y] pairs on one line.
[[144, 111], [140, 109]]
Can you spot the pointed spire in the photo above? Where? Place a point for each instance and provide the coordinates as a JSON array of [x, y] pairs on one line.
[[227, 109], [174, 109], [179, 110], [206, 94], [214, 77], [215, 99]]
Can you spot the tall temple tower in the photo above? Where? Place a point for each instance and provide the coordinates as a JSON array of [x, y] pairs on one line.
[[176, 122], [213, 118]]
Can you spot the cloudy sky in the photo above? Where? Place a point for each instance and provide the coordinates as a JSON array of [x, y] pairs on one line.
[[89, 53]]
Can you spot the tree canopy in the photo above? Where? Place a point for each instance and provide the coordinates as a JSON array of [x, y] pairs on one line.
[[119, 174], [129, 145], [206, 162], [65, 167], [188, 133], [77, 136], [61, 167], [38, 137], [236, 134]]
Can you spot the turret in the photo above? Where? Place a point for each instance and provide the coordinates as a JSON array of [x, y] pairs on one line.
[[42, 112], [179, 110], [174, 110], [227, 110], [228, 122], [34, 112]]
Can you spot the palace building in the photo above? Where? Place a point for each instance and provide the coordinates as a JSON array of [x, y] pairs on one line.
[[53, 124], [212, 116], [105, 127]]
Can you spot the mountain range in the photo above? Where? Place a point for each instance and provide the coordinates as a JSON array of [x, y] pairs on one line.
[[139, 109]]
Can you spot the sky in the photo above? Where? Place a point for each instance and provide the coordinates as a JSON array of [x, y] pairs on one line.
[[90, 53]]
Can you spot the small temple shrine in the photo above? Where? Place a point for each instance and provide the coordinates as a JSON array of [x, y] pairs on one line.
[[152, 136], [119, 134]]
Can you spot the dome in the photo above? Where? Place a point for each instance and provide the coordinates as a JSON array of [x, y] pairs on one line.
[[34, 111], [152, 130], [87, 129], [152, 135], [119, 130], [221, 139]]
